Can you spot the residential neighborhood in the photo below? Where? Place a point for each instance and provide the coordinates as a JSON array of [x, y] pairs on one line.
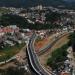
[[38, 40]]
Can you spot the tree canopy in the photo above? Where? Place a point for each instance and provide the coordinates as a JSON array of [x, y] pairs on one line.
[[9, 19], [72, 40], [58, 56]]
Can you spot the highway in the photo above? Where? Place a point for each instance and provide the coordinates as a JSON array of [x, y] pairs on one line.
[[33, 59], [39, 70]]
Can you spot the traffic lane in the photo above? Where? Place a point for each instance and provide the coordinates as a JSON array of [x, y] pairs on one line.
[[35, 58], [33, 61], [37, 61]]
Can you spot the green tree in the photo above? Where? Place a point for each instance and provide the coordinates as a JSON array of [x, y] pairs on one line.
[[58, 56], [72, 40], [52, 17]]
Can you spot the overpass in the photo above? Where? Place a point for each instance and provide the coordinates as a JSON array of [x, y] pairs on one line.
[[33, 59]]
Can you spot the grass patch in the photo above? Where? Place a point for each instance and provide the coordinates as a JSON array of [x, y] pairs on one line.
[[4, 10], [74, 54], [58, 57], [8, 52]]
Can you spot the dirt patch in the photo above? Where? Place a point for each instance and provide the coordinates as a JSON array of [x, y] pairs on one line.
[[42, 43], [43, 58]]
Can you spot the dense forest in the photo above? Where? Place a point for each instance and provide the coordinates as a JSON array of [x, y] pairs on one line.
[[9, 19]]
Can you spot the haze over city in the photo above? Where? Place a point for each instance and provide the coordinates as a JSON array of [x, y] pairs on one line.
[[29, 3], [37, 37]]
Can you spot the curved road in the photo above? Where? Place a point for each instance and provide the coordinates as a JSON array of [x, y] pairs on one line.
[[39, 70], [33, 58]]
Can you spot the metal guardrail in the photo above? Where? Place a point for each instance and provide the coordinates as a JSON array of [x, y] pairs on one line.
[[30, 59], [33, 58]]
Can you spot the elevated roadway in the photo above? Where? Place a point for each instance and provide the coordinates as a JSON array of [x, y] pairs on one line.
[[33, 59]]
